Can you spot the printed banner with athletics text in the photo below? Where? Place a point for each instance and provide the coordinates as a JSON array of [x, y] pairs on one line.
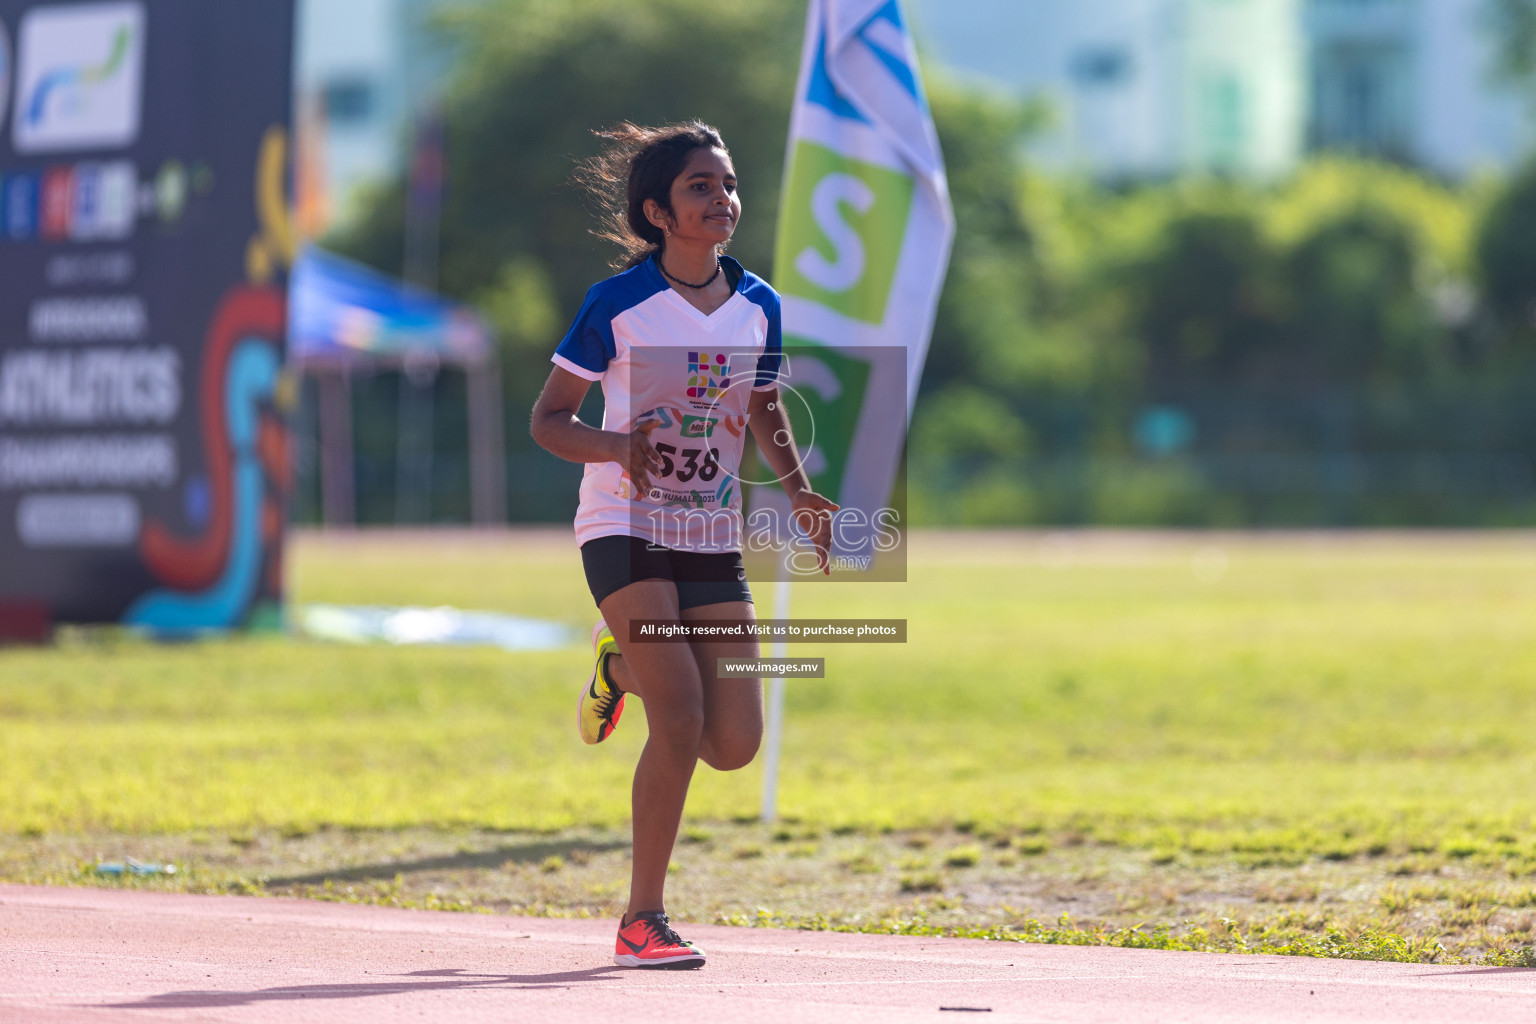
[[145, 240]]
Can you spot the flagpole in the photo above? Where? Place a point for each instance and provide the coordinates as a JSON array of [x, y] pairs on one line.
[[774, 727]]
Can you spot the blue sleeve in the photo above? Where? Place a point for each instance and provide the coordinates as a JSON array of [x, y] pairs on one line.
[[772, 359], [589, 344]]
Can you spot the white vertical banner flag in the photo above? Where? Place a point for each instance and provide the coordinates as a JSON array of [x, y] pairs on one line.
[[864, 232]]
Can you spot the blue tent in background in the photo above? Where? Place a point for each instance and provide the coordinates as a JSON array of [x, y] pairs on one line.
[[345, 317], [343, 311]]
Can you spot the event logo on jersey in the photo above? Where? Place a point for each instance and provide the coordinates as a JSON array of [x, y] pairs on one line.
[[709, 375], [79, 73], [841, 231]]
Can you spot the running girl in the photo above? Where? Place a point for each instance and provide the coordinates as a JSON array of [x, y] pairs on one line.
[[686, 345]]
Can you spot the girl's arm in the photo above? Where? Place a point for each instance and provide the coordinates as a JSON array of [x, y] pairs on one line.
[[811, 512], [556, 428]]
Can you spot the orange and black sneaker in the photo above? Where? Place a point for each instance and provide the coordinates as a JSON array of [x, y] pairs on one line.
[[601, 702], [648, 941]]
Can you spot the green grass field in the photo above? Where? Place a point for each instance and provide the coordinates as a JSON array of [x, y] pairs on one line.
[[1265, 702]]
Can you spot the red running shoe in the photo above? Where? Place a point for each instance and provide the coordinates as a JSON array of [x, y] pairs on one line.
[[648, 941]]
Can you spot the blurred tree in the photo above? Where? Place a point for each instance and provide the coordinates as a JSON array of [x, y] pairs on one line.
[[986, 314], [1360, 313], [1439, 219], [1210, 298], [1506, 245], [965, 421], [1506, 255], [521, 305], [1511, 25], [1348, 273]]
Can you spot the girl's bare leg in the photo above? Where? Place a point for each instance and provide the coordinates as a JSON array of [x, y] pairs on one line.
[[666, 677], [733, 708]]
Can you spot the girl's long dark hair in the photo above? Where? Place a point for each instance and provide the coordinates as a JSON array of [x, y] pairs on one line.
[[639, 164]]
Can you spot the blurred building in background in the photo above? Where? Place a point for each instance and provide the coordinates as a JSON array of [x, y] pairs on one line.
[[364, 71], [1142, 87], [1161, 87], [1410, 80]]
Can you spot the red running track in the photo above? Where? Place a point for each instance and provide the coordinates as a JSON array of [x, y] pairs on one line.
[[85, 955]]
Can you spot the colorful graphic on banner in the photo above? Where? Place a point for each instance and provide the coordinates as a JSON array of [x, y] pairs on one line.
[[79, 74], [864, 234], [19, 198], [143, 444]]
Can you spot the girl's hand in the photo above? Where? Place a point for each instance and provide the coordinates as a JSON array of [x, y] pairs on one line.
[[637, 457], [812, 513]]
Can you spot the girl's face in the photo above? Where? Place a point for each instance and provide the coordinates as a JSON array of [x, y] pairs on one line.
[[705, 206]]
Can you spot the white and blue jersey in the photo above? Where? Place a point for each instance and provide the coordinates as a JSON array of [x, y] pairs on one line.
[[661, 360]]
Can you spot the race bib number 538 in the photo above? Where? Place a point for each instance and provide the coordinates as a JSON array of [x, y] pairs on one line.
[[699, 458]]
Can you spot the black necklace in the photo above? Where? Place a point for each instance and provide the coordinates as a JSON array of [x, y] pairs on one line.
[[686, 284]]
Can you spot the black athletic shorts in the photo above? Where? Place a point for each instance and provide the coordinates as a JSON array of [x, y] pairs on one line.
[[613, 563]]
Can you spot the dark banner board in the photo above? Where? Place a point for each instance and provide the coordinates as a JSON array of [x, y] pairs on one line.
[[145, 241]]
